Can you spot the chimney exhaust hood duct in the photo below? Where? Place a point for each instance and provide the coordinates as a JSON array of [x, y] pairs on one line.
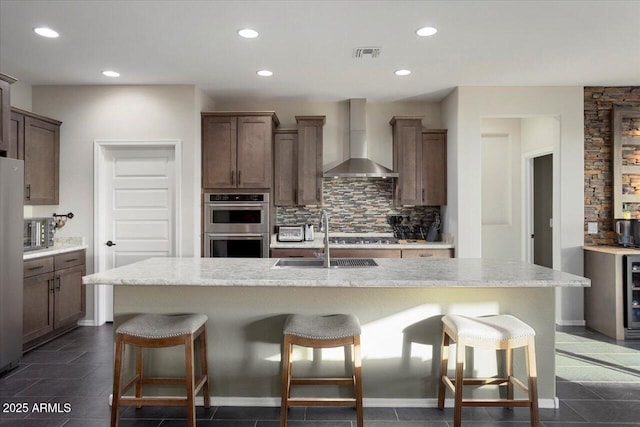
[[358, 165]]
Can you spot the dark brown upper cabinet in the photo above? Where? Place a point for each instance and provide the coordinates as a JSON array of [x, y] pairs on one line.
[[420, 158], [310, 159], [236, 149], [298, 163], [285, 167], [434, 167], [36, 139]]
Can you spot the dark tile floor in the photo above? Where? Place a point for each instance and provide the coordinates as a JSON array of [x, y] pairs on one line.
[[67, 383]]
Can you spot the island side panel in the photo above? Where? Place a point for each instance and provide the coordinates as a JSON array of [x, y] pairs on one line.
[[400, 338], [604, 300]]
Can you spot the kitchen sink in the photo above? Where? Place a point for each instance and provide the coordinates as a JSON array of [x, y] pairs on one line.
[[319, 262]]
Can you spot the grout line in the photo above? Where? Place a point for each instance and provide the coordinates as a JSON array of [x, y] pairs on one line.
[[599, 363]]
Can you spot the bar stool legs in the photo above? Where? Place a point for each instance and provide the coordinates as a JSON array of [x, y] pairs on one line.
[[321, 332], [500, 332], [157, 331]]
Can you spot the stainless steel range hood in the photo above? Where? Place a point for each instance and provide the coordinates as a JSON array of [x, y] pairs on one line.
[[358, 165]]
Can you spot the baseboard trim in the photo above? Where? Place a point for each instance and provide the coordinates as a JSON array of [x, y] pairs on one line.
[[571, 323], [87, 322], [368, 403]]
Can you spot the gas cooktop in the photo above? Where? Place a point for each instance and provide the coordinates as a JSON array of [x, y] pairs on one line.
[[355, 240]]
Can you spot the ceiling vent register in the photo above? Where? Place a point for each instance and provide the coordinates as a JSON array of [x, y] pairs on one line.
[[366, 52]]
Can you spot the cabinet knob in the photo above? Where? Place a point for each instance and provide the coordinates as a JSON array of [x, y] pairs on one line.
[[28, 192], [110, 243]]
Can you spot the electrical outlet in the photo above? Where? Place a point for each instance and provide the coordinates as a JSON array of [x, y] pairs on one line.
[[592, 227]]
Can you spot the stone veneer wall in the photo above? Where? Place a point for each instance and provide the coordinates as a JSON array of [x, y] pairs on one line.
[[598, 149], [355, 205]]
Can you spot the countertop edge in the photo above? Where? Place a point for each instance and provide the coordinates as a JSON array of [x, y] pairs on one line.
[[52, 251], [394, 273], [614, 250]]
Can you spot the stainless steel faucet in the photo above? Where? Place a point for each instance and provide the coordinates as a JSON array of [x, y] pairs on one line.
[[324, 222]]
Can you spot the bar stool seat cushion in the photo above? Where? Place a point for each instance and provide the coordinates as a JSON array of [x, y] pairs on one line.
[[496, 328], [157, 326], [322, 327]]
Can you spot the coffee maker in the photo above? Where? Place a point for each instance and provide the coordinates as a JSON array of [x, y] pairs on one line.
[[628, 231], [624, 232]]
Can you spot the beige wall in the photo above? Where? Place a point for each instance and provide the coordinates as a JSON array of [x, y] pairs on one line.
[[463, 110], [139, 113], [21, 95]]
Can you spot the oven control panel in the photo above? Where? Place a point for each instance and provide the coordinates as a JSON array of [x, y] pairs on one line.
[[238, 197]]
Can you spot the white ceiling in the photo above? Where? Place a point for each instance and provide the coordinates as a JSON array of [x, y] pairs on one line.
[[308, 45]]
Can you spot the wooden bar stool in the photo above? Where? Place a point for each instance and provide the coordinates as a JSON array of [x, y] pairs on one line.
[[321, 332], [154, 331], [499, 332]]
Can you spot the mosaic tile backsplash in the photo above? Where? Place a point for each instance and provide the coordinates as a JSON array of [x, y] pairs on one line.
[[356, 205]]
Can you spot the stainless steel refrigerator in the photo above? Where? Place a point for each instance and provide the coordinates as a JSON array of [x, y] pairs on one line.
[[11, 270]]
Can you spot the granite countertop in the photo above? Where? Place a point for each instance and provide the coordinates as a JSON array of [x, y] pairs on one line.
[[60, 245], [317, 243], [392, 273], [615, 250]]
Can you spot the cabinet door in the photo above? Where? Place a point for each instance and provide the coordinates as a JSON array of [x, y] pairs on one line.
[[434, 169], [69, 296], [310, 162], [254, 152], [15, 148], [407, 150], [285, 158], [5, 114], [37, 316], [41, 161], [219, 152], [294, 253]]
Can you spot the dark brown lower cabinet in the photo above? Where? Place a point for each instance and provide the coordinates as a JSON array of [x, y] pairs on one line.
[[54, 297]]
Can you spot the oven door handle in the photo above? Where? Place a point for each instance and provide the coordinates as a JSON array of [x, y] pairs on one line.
[[235, 206]]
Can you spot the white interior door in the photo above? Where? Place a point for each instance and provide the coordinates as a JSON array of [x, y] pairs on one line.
[[136, 209]]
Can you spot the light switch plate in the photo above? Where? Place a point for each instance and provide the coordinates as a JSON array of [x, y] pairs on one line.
[[592, 227]]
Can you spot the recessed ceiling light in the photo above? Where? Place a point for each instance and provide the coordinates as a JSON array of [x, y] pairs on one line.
[[402, 72], [111, 73], [248, 33], [426, 31], [265, 73], [46, 32]]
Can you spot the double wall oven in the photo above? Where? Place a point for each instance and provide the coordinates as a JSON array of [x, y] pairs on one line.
[[236, 225]]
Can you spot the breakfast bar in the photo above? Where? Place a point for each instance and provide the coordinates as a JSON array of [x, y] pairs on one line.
[[399, 303]]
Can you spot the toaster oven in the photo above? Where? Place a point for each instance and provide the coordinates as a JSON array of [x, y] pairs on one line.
[[38, 233], [290, 233]]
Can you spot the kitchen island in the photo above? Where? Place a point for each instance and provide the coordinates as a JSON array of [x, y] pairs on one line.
[[399, 305]]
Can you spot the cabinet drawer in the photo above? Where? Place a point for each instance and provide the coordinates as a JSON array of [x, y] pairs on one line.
[[365, 253], [427, 253], [36, 266], [70, 259]]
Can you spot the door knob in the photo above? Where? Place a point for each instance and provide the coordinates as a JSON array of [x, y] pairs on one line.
[[110, 243]]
